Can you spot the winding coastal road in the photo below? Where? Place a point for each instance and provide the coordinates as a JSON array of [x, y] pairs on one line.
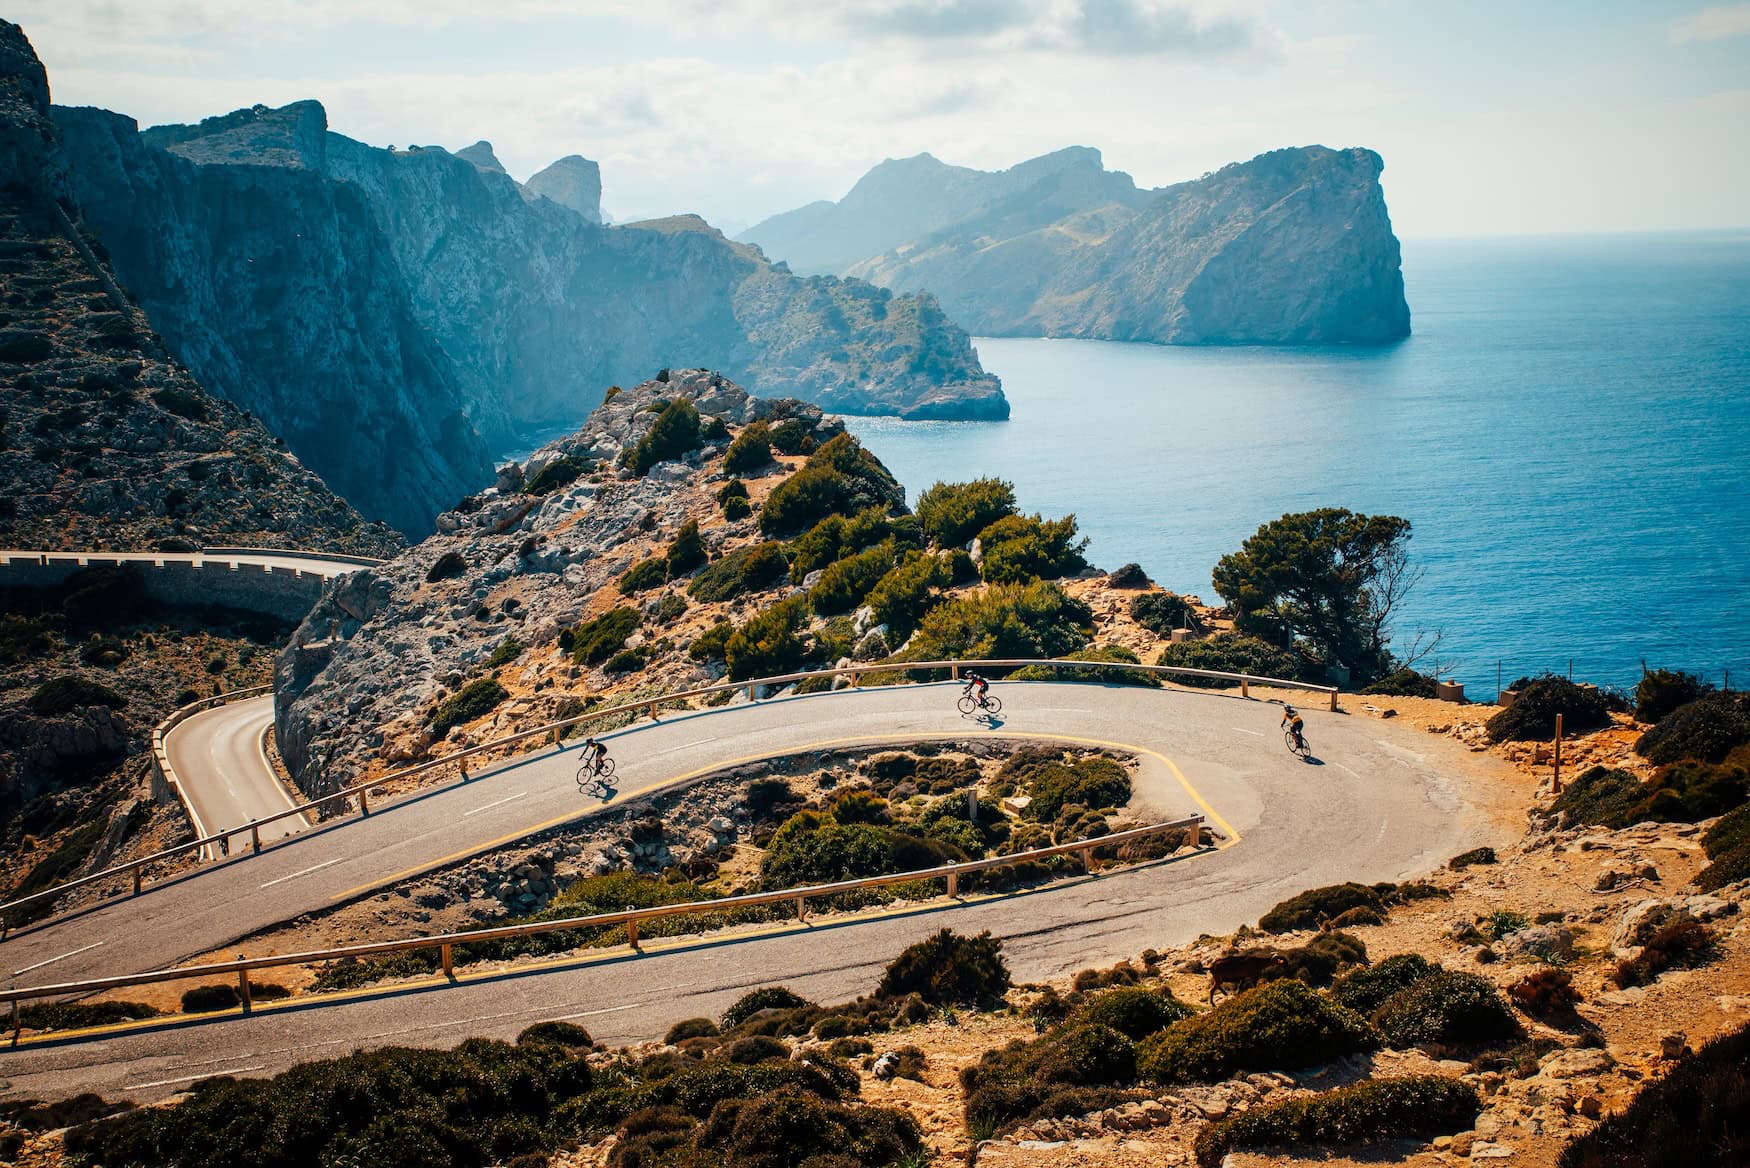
[[221, 762], [1380, 802]]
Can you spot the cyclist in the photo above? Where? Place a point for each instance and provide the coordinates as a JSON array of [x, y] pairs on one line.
[[976, 687], [594, 753], [1292, 720]]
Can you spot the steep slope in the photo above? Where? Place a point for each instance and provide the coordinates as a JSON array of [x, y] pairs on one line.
[[573, 181], [1293, 247], [386, 310]]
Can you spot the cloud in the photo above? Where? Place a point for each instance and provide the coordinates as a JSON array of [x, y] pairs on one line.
[[1718, 22], [930, 19], [1135, 26]]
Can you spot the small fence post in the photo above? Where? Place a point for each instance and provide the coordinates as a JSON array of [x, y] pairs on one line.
[[801, 908], [446, 953], [364, 801], [750, 696], [1556, 778], [243, 987], [653, 711], [856, 678], [255, 836], [953, 885], [1245, 687], [632, 932], [17, 1016], [137, 869], [954, 672], [1087, 855], [1333, 700]]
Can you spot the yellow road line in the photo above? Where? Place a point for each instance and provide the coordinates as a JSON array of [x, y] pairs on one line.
[[861, 740]]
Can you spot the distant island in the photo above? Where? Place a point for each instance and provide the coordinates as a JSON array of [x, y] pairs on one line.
[[1293, 247]]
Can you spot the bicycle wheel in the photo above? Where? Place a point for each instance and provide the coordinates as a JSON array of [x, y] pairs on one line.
[[585, 779], [993, 705], [966, 704], [1300, 749], [607, 771]]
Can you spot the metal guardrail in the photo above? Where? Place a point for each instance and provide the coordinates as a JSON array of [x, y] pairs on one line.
[[294, 554], [445, 942], [136, 868]]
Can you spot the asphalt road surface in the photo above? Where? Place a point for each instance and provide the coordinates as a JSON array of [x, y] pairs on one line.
[[1377, 802], [218, 760]]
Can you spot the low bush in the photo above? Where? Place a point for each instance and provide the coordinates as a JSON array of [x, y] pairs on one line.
[[733, 489], [1281, 1025], [207, 998], [736, 507], [947, 968], [1322, 958], [844, 583], [952, 513], [625, 661], [1447, 1008], [755, 1048], [764, 998], [63, 695], [1005, 620], [810, 850], [1091, 782], [1132, 1011], [1683, 941], [1315, 906], [674, 433], [1692, 1117], [37, 1116], [791, 436], [712, 643], [643, 576], [791, 1127], [1403, 683], [445, 567], [1416, 1107], [1729, 867], [767, 645], [79, 1015], [691, 1028], [104, 652], [751, 450], [23, 639], [1019, 548], [1230, 653], [1546, 994], [1532, 716], [599, 639], [1731, 832], [568, 1035], [1708, 729], [561, 472], [1661, 691], [746, 570], [1162, 613], [840, 478], [1483, 855], [1679, 792], [508, 650], [474, 700], [1366, 990], [1111, 654]]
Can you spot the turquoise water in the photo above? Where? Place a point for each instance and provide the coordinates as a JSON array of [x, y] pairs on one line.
[[1568, 430]]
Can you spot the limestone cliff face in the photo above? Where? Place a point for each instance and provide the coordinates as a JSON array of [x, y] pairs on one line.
[[1293, 247], [395, 314], [573, 181]]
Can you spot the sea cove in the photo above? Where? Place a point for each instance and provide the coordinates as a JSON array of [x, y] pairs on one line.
[[1567, 429]]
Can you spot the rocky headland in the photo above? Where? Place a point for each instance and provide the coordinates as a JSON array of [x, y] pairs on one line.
[[397, 314], [1292, 247]]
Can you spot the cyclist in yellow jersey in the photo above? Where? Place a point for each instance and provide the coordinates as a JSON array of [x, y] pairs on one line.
[[1292, 720]]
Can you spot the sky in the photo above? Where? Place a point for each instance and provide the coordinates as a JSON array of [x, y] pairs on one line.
[[1523, 117]]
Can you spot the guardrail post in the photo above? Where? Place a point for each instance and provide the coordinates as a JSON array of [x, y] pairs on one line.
[[856, 678], [255, 836], [137, 868], [243, 987], [1245, 688], [953, 885], [954, 672], [447, 955], [801, 908], [653, 711], [1087, 855], [1333, 701], [632, 932], [364, 801], [17, 1016]]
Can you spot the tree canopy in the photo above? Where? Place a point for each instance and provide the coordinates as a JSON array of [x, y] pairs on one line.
[[1324, 580]]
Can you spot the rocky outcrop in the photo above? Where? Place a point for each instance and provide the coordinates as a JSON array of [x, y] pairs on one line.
[[1293, 247], [481, 155], [105, 441], [573, 181], [394, 314]]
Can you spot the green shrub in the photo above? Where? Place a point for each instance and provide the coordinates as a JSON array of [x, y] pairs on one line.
[[836, 536], [811, 851], [1112, 654], [1729, 867], [446, 567], [841, 477], [1366, 990], [625, 661], [764, 998], [687, 550], [1532, 716], [736, 507], [733, 489], [1708, 729], [1404, 682], [568, 1035], [508, 650], [789, 1128], [1484, 855], [947, 968], [672, 435], [712, 643], [1692, 1117], [1732, 831], [24, 639], [63, 695], [1318, 961], [792, 437], [1447, 1008], [1315, 906], [474, 700], [952, 513], [1087, 782], [79, 1015], [643, 576], [751, 450], [1548, 994], [1230, 653], [1680, 792], [561, 472], [207, 998], [747, 570], [599, 639], [1018, 548], [1661, 691], [844, 583], [1281, 1025], [1161, 613], [1416, 1107], [1005, 620], [1680, 942], [691, 1028], [1132, 1011], [767, 645], [902, 597]]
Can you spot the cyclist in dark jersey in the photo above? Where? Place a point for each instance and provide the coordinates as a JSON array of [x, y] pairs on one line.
[[595, 751], [1292, 720], [976, 687]]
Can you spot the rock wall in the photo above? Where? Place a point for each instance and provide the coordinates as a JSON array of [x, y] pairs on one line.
[[283, 592]]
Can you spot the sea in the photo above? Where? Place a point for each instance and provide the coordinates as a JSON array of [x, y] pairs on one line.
[[1567, 429]]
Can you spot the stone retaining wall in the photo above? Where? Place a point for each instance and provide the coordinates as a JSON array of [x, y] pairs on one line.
[[280, 591]]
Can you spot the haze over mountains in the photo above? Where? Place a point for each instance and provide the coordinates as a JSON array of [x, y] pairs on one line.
[[1292, 247]]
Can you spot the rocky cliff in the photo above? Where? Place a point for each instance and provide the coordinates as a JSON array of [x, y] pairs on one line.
[[387, 311], [1293, 247], [573, 181]]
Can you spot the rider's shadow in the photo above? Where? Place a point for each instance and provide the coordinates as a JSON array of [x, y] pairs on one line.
[[990, 720], [1313, 760]]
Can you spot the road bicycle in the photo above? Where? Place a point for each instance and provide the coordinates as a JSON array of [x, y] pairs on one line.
[[989, 704], [1300, 746], [594, 781]]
